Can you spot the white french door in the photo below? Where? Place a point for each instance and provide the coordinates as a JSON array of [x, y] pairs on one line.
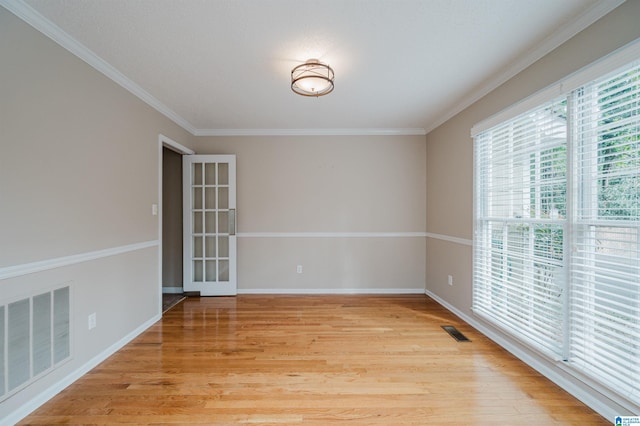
[[209, 216]]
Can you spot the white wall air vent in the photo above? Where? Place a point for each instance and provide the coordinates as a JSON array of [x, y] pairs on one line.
[[34, 338]]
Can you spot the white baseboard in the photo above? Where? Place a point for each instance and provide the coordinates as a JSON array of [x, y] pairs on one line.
[[173, 290], [310, 291], [591, 398], [54, 389]]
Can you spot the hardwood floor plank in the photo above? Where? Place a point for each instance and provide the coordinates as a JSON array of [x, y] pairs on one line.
[[312, 360]]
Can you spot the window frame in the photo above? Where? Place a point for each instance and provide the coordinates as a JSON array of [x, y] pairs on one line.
[[566, 87]]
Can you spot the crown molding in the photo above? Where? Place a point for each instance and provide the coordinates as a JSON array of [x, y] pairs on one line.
[[55, 33], [311, 132], [588, 17]]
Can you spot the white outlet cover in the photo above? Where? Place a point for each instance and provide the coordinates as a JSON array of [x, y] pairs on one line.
[[92, 321]]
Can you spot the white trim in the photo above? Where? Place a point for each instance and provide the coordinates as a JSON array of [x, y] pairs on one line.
[[55, 33], [172, 290], [566, 32], [174, 146], [551, 373], [331, 234], [43, 265], [450, 239], [55, 388], [314, 291], [311, 132], [616, 59]]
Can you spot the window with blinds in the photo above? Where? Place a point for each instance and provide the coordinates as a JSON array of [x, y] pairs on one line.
[[557, 224], [521, 169], [605, 263]]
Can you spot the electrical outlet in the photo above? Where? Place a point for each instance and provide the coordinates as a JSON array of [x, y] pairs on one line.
[[299, 269], [450, 279], [92, 321]]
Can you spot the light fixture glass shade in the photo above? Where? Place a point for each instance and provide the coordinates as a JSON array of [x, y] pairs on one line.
[[312, 78]]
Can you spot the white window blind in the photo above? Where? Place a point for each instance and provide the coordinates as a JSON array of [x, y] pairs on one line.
[[605, 272], [520, 222], [557, 228]]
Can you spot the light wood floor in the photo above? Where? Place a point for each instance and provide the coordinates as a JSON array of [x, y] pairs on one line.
[[313, 360]]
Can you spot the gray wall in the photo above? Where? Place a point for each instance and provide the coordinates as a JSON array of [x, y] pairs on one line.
[[78, 175], [334, 186]]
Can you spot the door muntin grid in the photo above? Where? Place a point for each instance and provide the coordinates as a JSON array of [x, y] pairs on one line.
[[210, 211]]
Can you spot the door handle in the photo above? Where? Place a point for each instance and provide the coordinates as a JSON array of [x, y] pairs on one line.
[[232, 221]]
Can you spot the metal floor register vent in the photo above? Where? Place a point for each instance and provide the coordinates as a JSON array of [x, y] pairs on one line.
[[34, 338], [453, 332]]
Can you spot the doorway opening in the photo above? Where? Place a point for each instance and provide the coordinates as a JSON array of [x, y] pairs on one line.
[[171, 222]]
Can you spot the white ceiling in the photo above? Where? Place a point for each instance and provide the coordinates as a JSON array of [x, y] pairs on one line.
[[223, 66]]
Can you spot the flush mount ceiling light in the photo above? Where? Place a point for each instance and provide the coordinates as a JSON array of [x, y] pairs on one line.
[[313, 78]]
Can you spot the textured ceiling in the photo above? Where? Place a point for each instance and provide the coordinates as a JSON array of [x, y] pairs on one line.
[[223, 66]]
